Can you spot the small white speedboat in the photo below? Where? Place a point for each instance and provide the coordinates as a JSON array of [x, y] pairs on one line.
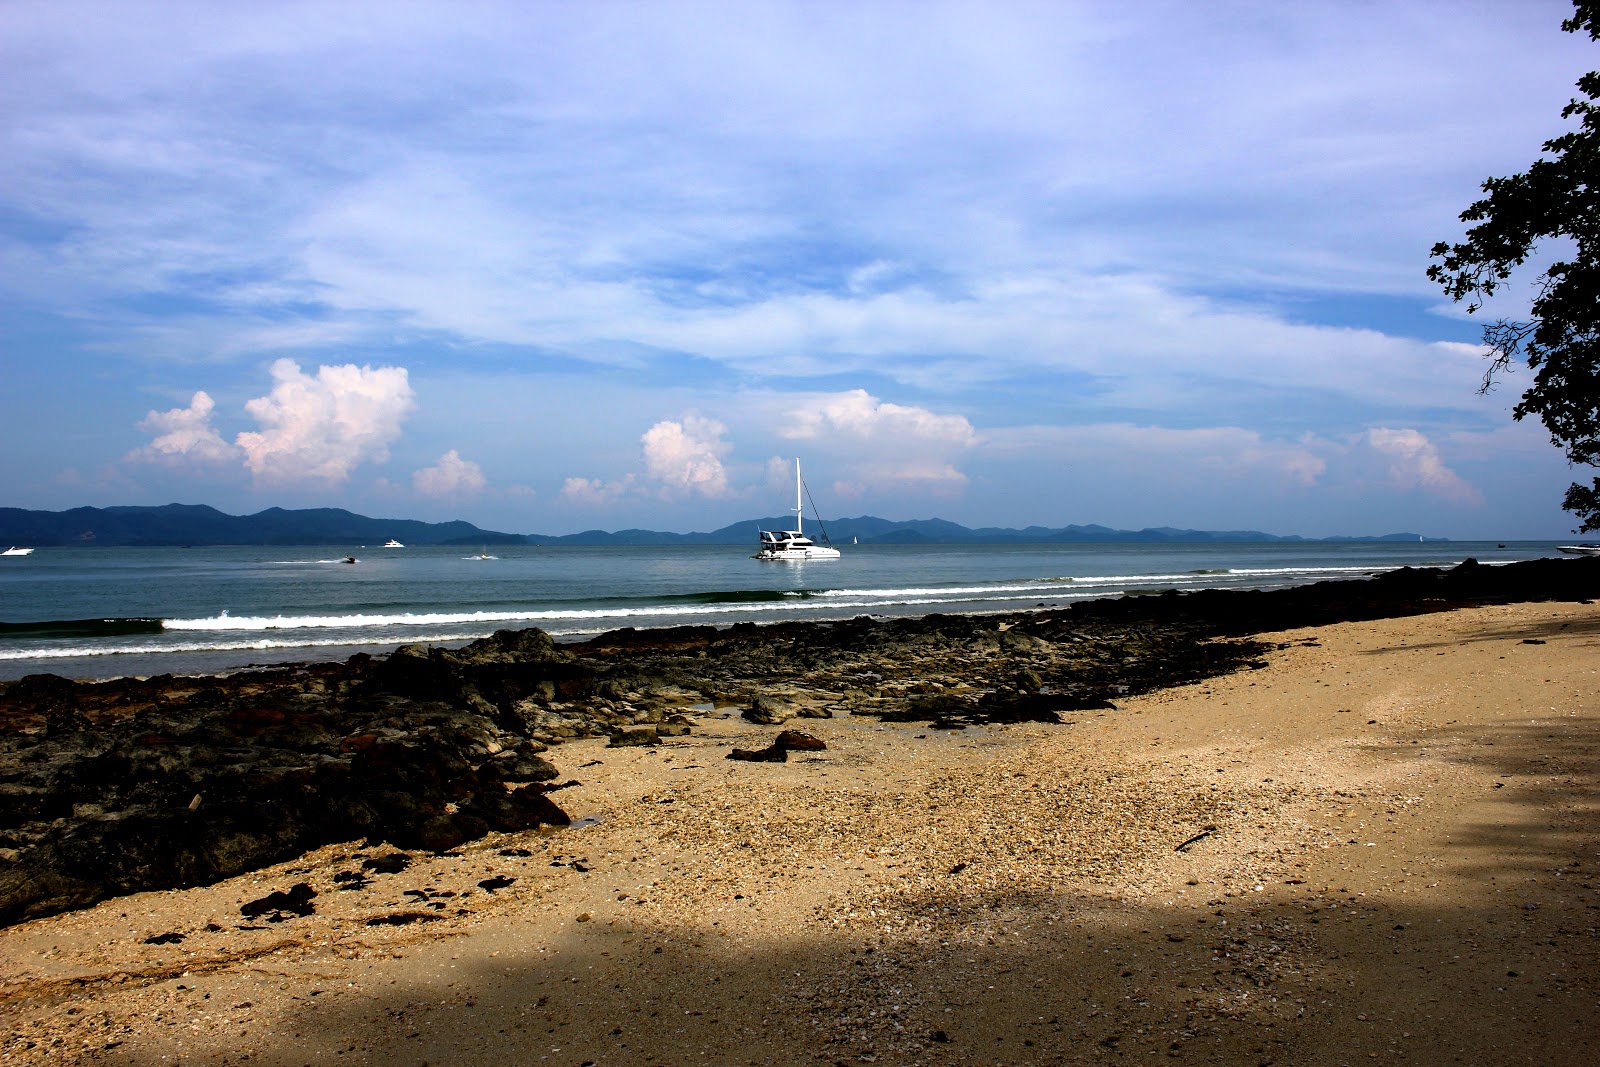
[[392, 543], [1585, 549], [15, 551]]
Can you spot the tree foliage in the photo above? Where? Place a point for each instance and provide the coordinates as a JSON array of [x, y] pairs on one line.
[[1556, 200]]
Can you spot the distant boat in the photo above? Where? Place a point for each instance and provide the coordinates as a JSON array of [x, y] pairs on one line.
[[1588, 548], [794, 544], [483, 553], [15, 551], [349, 559], [392, 543]]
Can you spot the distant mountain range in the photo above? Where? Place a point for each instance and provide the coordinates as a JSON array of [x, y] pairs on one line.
[[198, 524]]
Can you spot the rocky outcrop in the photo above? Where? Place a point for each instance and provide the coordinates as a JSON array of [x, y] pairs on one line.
[[127, 786]]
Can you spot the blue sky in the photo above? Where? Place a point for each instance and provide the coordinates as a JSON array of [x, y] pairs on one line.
[[556, 266]]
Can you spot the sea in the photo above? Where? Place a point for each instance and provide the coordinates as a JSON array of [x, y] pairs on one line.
[[119, 612]]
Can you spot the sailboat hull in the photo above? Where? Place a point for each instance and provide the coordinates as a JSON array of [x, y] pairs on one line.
[[789, 552]]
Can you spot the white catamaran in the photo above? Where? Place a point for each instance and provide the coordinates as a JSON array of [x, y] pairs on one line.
[[794, 544]]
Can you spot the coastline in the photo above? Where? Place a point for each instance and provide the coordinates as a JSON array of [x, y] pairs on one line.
[[1383, 822], [212, 611]]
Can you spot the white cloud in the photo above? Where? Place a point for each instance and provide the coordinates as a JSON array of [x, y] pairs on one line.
[[1153, 456], [1414, 462], [593, 492], [687, 455], [452, 476], [185, 435], [863, 418], [879, 445], [317, 430]]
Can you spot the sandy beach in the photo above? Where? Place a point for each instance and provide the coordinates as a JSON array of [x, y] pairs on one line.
[[1382, 846]]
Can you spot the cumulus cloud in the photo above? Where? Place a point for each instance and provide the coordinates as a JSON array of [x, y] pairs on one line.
[[884, 445], [185, 435], [592, 492], [452, 476], [319, 429], [862, 416], [687, 455], [1414, 462]]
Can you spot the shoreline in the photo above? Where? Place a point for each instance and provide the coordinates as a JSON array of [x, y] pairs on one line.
[[101, 650], [138, 784], [1391, 856]]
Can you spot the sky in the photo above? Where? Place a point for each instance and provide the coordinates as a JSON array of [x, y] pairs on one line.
[[559, 266]]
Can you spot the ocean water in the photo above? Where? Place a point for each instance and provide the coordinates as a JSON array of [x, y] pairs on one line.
[[109, 612]]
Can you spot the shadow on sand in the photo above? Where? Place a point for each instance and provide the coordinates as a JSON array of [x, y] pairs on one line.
[[1305, 971]]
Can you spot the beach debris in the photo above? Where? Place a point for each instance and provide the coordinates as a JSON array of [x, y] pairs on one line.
[[1201, 836], [499, 881], [164, 939]]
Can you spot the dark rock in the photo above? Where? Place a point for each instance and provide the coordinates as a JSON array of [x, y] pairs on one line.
[[772, 754], [643, 736], [444, 832], [513, 646], [795, 741], [297, 901], [499, 881], [768, 711], [391, 863], [523, 764]]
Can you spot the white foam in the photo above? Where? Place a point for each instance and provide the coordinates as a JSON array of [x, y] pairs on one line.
[[264, 644]]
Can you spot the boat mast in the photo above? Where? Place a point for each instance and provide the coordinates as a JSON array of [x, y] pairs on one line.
[[799, 507]]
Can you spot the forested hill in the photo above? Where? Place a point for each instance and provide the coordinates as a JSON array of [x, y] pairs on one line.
[[871, 530], [198, 524]]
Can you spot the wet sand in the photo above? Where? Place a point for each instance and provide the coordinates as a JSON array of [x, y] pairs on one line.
[[1384, 846]]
